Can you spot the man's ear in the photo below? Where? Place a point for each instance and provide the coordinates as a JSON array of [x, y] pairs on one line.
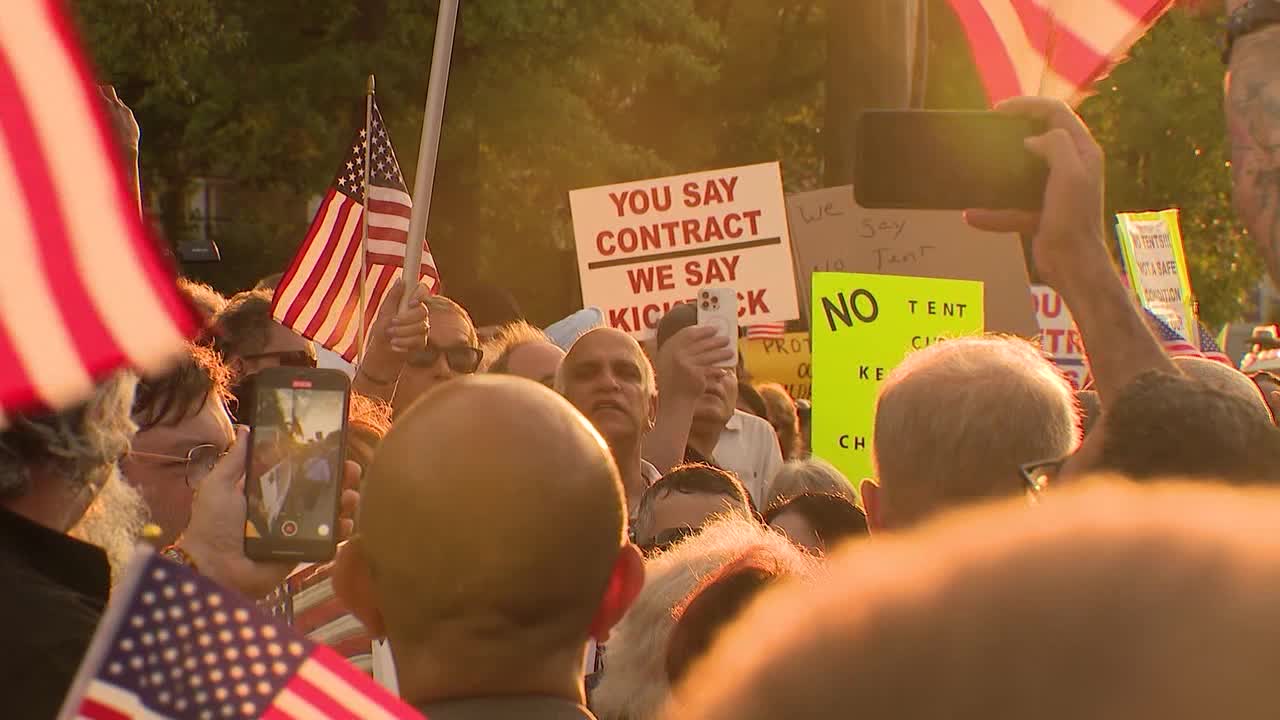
[[353, 584], [625, 584], [870, 494]]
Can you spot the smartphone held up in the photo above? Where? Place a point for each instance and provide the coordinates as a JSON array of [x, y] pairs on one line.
[[718, 308], [297, 450], [947, 160]]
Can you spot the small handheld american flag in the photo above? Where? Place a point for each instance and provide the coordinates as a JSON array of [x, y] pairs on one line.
[[1177, 346], [319, 296], [174, 644]]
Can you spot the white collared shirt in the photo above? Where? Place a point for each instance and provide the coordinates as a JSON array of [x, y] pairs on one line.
[[748, 447]]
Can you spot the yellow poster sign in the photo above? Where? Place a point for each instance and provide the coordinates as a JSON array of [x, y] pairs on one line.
[[862, 327], [1157, 267], [783, 360]]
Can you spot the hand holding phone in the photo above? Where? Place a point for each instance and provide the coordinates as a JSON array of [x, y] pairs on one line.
[[296, 462], [947, 160], [718, 308]]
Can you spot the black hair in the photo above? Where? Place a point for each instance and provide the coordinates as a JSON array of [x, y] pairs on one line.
[[832, 517]]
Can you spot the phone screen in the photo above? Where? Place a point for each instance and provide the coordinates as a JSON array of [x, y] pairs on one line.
[[296, 463], [947, 160]]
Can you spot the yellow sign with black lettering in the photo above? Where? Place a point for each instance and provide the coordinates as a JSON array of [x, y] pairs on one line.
[[783, 360], [862, 327]]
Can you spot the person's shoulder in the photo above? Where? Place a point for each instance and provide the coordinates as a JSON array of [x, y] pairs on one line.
[[752, 424]]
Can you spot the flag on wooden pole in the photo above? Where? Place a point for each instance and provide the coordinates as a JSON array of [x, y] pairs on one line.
[[83, 288], [1054, 48], [319, 296]]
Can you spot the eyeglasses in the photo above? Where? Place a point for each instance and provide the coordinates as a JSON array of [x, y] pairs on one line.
[[461, 358], [1039, 474], [198, 462], [292, 358]]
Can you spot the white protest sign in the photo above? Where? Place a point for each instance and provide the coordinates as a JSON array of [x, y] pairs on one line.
[[1059, 337], [1157, 267], [647, 245]]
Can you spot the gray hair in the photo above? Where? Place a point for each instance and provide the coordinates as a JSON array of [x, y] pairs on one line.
[[955, 421], [814, 476], [78, 444], [635, 684], [497, 352], [1226, 380]]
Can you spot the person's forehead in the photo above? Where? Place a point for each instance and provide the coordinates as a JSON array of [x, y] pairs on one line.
[[678, 508], [211, 425], [282, 339], [448, 329], [604, 347], [535, 353]]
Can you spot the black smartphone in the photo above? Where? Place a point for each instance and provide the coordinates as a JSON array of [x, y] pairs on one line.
[[947, 160], [297, 447]]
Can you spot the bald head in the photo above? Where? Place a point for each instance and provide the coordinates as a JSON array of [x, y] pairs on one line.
[[1108, 602], [491, 520]]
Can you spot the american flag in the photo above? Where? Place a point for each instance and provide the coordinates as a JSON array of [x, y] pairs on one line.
[[83, 288], [1177, 346], [1054, 48], [319, 295], [176, 645], [766, 330]]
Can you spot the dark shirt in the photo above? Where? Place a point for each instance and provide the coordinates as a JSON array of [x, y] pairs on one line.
[[54, 591], [516, 707]]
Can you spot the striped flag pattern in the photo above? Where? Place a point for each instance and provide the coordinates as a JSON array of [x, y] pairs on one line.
[[1177, 346], [175, 645], [83, 288], [319, 295], [1053, 48], [761, 331]]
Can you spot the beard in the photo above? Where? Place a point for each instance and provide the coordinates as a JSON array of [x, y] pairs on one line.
[[114, 522]]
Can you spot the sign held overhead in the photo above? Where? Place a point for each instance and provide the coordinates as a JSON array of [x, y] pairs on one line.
[[645, 246]]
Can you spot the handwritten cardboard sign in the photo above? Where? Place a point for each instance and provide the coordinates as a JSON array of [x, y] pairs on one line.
[[832, 233], [863, 326], [784, 360], [1152, 246], [647, 245], [1059, 337]]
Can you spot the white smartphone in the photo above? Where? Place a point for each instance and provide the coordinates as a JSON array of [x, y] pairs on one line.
[[718, 308]]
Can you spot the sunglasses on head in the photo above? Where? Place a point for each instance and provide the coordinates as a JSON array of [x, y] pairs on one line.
[[293, 358], [460, 358]]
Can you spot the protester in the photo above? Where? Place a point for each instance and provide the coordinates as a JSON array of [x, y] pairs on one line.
[[491, 307], [1017, 408], [722, 596], [183, 430], [634, 685], [205, 299], [1168, 424], [607, 376], [684, 500], [1269, 385], [784, 418], [522, 350], [452, 349], [1218, 376], [249, 340], [817, 522], [1111, 601], [479, 625], [815, 475], [697, 405]]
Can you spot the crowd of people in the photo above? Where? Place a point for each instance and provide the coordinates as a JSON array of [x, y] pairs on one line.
[[625, 531]]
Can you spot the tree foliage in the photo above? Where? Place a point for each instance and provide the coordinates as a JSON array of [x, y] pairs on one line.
[[550, 95]]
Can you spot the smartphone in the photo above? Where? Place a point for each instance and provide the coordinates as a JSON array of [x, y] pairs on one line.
[[293, 477], [718, 308], [947, 160]]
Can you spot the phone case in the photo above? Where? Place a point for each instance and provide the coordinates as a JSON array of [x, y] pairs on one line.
[[718, 308]]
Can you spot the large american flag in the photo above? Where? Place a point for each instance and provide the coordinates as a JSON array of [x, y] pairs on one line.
[[83, 288], [1054, 48], [1175, 345], [319, 295], [176, 645]]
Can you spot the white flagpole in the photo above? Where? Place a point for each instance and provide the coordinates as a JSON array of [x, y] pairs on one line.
[[429, 146], [364, 229]]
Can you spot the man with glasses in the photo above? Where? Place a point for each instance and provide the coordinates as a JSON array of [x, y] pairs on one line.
[[250, 341], [684, 500], [183, 429], [412, 351]]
